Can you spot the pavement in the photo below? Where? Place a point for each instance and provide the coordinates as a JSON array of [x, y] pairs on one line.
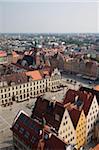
[[79, 80], [7, 115]]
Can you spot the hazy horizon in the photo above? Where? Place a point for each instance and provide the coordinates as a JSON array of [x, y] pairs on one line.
[[48, 17]]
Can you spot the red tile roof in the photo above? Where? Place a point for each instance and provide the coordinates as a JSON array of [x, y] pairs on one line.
[[49, 111], [70, 96], [17, 78], [28, 131], [85, 97], [96, 147], [34, 74], [92, 91], [74, 115]]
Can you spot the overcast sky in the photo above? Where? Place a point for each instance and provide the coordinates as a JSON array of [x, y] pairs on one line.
[[42, 17]]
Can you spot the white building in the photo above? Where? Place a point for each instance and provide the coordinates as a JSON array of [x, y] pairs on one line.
[[91, 119], [19, 87]]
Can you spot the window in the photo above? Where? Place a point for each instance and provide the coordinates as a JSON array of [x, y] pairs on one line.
[[61, 133], [5, 90], [26, 134], [57, 117], [33, 139], [20, 96], [65, 117], [21, 130], [5, 95], [68, 134], [16, 126], [63, 123]]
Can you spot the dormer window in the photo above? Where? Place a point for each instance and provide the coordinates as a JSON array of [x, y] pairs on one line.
[[57, 117]]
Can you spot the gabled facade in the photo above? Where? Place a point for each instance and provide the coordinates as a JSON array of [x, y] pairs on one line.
[[81, 130], [66, 130], [29, 134], [91, 119], [67, 120]]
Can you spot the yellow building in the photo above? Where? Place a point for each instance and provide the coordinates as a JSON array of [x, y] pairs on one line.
[[81, 130]]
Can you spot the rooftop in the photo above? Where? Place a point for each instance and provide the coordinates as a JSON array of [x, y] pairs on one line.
[[96, 147], [30, 131]]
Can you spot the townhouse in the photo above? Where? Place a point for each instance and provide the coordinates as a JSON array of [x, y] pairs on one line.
[[29, 134], [90, 108], [25, 85], [73, 119], [67, 120]]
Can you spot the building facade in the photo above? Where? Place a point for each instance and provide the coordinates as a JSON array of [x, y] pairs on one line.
[[29, 88]]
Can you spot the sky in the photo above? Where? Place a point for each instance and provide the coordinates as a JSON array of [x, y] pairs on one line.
[[57, 16]]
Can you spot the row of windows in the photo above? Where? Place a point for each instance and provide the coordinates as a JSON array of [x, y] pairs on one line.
[[92, 118], [8, 89], [20, 92], [70, 140], [83, 134], [70, 133]]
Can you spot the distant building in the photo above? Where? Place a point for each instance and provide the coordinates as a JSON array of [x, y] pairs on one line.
[[3, 57]]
